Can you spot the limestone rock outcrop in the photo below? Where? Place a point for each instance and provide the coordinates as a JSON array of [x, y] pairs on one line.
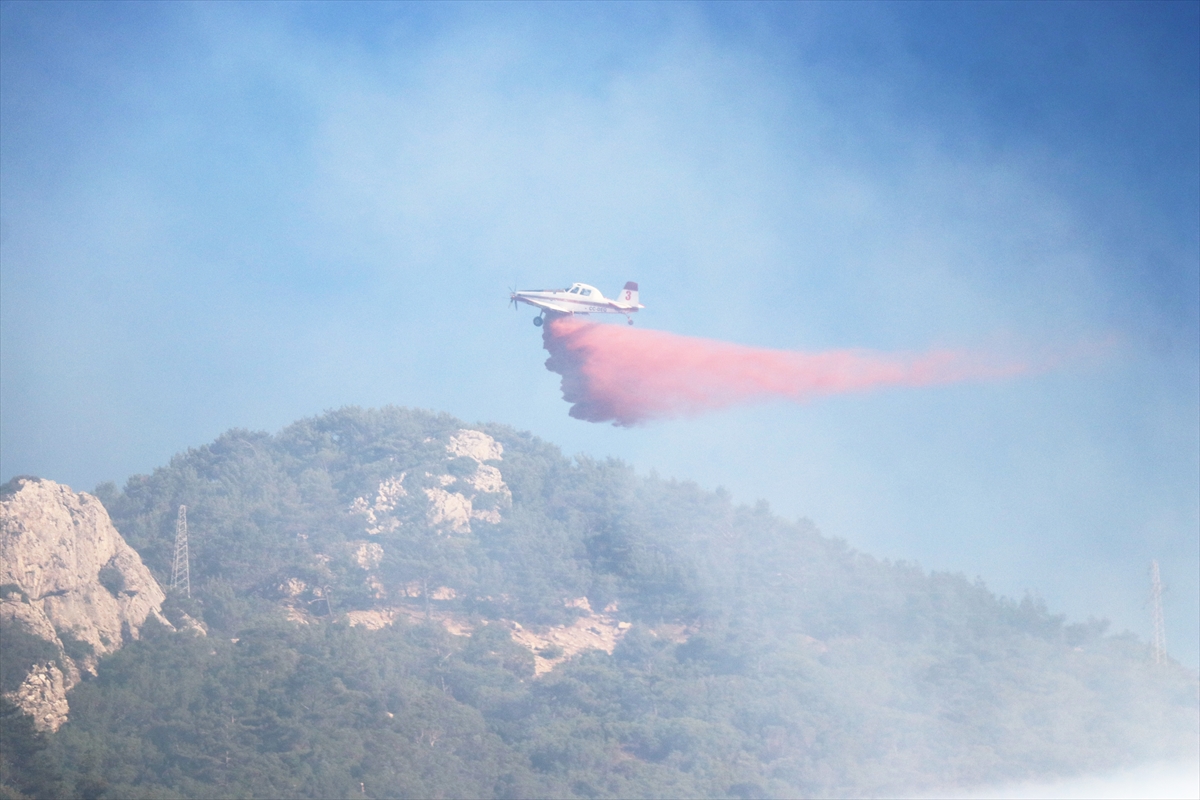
[[552, 645], [479, 493], [67, 578], [480, 496]]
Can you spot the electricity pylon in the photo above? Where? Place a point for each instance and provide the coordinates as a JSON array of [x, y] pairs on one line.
[[180, 575], [1160, 632]]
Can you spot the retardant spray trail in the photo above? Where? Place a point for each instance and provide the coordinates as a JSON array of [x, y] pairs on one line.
[[627, 375]]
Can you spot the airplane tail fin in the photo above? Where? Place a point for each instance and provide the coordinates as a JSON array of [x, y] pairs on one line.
[[629, 295]]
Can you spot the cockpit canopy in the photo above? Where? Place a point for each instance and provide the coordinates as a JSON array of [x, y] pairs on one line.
[[583, 290]]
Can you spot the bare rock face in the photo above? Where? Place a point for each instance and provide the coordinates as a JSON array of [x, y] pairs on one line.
[[43, 696], [480, 494], [552, 645], [67, 579]]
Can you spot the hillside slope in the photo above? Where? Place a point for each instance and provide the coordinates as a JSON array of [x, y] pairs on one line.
[[71, 591], [389, 592]]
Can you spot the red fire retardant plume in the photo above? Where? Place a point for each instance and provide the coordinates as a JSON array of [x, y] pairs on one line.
[[628, 375]]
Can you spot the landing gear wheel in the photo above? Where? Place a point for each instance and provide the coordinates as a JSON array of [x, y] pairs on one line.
[[630, 321], [537, 321]]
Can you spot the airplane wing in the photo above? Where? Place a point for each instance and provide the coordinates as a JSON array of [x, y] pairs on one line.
[[548, 304], [551, 305]]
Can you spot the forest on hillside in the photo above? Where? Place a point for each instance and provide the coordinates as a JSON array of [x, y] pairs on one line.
[[762, 659]]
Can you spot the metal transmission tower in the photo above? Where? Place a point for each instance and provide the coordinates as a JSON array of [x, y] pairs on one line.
[[1160, 632], [180, 575]]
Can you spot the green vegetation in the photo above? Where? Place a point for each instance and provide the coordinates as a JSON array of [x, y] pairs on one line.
[[20, 650], [25, 769], [77, 649], [14, 591], [764, 660], [112, 579], [13, 485]]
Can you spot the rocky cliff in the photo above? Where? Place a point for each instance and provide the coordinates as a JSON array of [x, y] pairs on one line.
[[71, 591]]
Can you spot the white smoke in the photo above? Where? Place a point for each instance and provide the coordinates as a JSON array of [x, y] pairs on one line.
[[1156, 781]]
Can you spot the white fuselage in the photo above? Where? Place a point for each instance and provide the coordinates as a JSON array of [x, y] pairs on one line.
[[579, 299]]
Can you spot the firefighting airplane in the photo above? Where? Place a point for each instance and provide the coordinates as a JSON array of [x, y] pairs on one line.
[[579, 299]]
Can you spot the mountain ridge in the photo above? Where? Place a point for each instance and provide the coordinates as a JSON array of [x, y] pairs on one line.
[[757, 657]]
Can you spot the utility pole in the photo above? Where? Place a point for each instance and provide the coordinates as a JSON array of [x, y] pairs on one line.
[[180, 575], [1160, 633]]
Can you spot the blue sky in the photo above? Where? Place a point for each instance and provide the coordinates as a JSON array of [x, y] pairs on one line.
[[236, 215]]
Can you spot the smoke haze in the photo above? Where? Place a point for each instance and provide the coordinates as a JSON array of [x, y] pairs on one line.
[[1164, 780], [219, 215], [628, 376]]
